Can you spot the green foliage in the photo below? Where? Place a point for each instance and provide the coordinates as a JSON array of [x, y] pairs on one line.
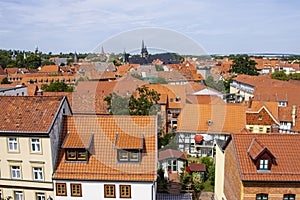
[[159, 80], [280, 75], [295, 76], [215, 85], [197, 182], [5, 81], [57, 87], [47, 62], [159, 68], [144, 104], [116, 62], [243, 65], [209, 175], [117, 105], [166, 139], [227, 84]]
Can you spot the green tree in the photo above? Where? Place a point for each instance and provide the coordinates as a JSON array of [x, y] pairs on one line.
[[209, 175], [159, 80], [145, 102], [215, 85], [243, 65], [57, 87], [117, 105], [47, 62], [5, 81], [280, 75]]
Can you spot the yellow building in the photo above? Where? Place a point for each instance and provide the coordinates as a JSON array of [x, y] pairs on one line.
[[30, 129]]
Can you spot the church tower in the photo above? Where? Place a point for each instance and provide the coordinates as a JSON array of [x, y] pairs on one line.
[[144, 52]]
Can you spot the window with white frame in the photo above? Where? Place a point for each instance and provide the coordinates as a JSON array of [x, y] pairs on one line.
[[37, 173], [262, 197], [40, 196], [15, 172], [12, 144], [18, 195], [289, 197], [35, 145], [264, 164]]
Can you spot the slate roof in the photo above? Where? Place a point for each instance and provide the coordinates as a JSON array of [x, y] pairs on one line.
[[28, 114], [284, 147], [102, 163]]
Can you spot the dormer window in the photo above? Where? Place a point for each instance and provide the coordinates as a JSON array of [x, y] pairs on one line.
[[264, 164], [76, 155], [128, 155]]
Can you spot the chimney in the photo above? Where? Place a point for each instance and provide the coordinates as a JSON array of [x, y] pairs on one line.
[[274, 128], [250, 102], [294, 114]]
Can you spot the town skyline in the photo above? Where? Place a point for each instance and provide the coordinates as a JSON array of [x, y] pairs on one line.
[[219, 27]]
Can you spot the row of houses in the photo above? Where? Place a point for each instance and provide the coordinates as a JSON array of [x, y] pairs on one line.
[[52, 154]]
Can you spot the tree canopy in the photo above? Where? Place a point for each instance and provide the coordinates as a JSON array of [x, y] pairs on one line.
[[57, 87], [243, 65], [144, 103]]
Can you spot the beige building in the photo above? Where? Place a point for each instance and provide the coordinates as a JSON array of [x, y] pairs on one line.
[[30, 129]]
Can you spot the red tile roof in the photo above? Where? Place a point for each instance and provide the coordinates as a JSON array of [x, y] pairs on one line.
[[28, 114], [197, 167], [284, 147], [102, 163]]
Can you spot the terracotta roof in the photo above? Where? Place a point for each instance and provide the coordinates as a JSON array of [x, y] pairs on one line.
[[88, 96], [171, 153], [102, 163], [284, 147], [28, 114], [285, 114], [287, 92], [14, 70], [270, 107], [126, 141], [212, 118], [74, 140], [32, 89], [197, 167], [204, 99], [49, 69]]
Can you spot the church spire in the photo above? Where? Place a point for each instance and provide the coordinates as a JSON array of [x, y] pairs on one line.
[[144, 52]]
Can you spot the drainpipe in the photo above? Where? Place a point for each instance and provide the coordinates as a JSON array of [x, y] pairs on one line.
[[294, 114]]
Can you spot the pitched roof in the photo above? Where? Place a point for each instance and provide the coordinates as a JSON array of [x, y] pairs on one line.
[[284, 146], [102, 163], [212, 118], [49, 69], [171, 153], [28, 114], [256, 148], [197, 167]]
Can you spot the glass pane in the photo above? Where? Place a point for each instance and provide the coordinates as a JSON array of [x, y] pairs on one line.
[[81, 155]]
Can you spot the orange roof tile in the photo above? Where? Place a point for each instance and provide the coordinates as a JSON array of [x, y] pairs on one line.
[[171, 153], [102, 163], [49, 69], [224, 118], [284, 146], [28, 114]]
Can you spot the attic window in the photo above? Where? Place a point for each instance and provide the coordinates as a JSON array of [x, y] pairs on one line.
[[264, 164], [177, 99], [259, 117], [76, 155], [128, 156]]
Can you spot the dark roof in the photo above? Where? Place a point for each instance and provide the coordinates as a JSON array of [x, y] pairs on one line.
[[167, 58], [171, 153]]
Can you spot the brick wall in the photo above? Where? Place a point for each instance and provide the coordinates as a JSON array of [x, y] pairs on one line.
[[266, 119], [232, 183], [275, 190]]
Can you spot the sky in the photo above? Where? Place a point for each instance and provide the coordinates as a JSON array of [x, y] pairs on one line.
[[215, 26]]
